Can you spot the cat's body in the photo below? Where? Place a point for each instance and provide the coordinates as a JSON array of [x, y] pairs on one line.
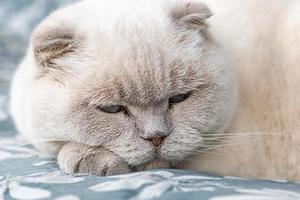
[[263, 38], [60, 83]]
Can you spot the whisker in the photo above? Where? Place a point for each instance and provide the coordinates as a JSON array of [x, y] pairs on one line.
[[282, 133]]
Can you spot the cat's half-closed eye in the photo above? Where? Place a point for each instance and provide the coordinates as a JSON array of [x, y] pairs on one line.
[[111, 109], [179, 98], [118, 108]]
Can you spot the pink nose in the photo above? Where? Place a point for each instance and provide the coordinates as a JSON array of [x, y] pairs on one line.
[[156, 141]]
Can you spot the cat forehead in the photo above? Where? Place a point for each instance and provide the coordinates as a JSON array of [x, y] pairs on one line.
[[144, 79], [143, 68]]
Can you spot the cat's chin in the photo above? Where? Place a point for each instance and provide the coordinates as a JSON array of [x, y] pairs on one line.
[[155, 161], [153, 164]]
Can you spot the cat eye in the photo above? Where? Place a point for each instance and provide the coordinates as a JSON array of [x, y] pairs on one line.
[[111, 109], [179, 98]]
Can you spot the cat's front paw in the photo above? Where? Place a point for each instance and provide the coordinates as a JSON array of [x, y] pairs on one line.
[[78, 158]]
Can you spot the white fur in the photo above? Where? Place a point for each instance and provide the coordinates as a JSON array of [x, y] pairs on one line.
[[146, 50], [263, 39]]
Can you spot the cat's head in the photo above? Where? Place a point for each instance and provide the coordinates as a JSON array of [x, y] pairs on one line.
[[143, 79]]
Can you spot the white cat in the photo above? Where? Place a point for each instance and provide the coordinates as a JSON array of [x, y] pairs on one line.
[[118, 86]]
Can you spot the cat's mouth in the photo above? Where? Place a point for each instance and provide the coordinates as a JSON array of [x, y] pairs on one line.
[[157, 155], [157, 160]]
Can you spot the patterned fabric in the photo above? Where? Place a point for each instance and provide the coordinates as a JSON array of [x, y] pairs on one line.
[[24, 175]]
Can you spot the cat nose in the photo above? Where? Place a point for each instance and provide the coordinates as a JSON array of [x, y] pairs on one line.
[[156, 140]]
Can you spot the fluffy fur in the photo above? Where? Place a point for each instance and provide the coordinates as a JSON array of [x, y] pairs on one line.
[[141, 53], [134, 53], [263, 39]]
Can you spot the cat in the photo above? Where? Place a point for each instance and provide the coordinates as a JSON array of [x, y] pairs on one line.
[[110, 87]]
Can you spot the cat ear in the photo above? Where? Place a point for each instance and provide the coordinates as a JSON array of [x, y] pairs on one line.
[[50, 45], [190, 14]]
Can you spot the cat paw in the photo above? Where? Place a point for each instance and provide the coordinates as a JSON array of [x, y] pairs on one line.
[[78, 158]]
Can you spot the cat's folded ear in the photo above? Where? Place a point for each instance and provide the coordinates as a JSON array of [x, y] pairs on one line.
[[191, 14], [51, 44]]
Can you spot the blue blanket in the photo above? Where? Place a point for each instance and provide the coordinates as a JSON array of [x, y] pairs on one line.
[[24, 175]]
